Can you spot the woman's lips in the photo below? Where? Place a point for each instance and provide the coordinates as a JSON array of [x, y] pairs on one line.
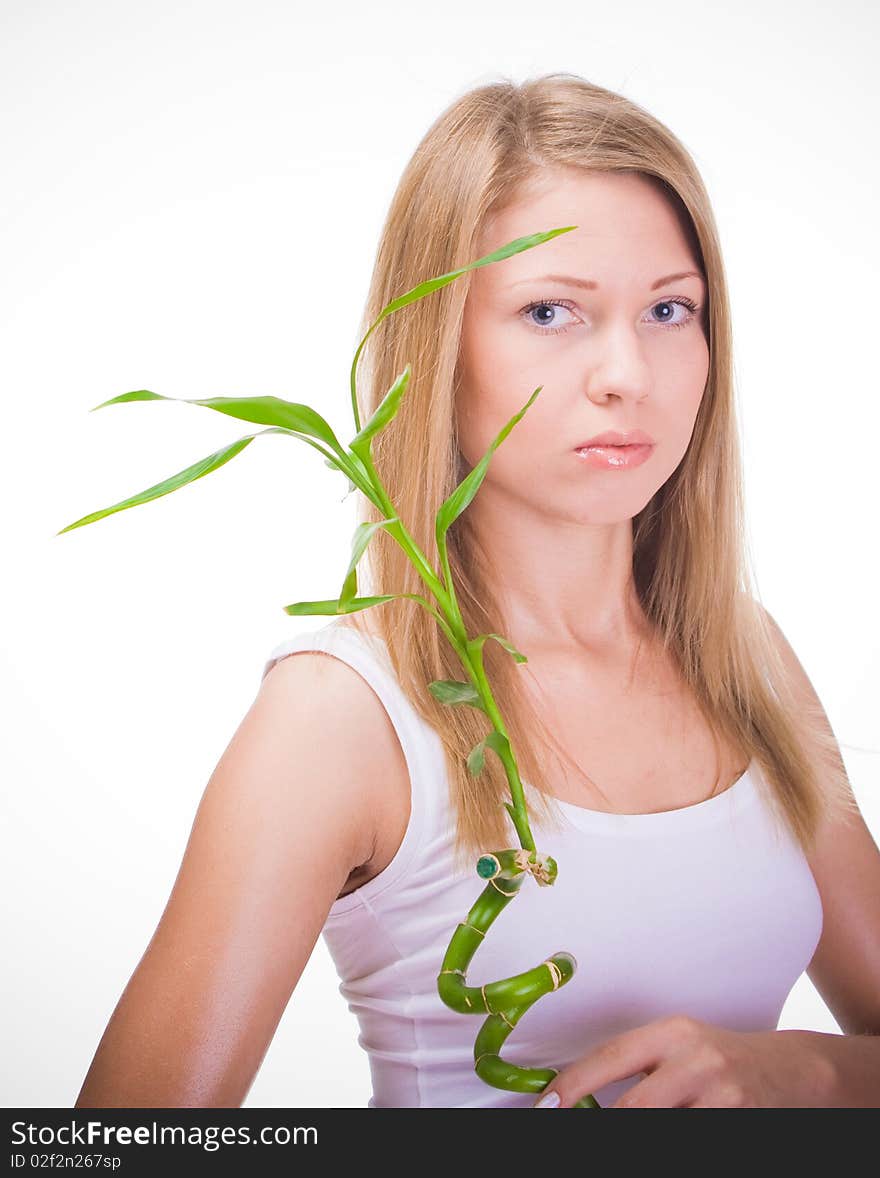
[[614, 457]]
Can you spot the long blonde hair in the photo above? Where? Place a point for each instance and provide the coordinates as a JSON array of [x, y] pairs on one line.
[[689, 551]]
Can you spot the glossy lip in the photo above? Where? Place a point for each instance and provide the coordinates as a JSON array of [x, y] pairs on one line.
[[614, 457], [613, 437]]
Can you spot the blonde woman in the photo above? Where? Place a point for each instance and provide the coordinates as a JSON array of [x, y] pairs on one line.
[[678, 763]]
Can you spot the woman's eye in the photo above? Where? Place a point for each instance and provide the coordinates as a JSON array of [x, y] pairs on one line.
[[669, 306], [548, 309]]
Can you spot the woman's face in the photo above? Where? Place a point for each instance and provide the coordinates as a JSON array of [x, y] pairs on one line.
[[629, 354]]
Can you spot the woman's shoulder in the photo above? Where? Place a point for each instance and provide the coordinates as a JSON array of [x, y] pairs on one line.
[[353, 676], [371, 719]]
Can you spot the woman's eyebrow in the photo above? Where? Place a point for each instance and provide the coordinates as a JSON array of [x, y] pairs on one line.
[[588, 284]]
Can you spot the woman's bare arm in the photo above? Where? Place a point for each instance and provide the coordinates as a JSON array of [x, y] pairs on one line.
[[290, 810]]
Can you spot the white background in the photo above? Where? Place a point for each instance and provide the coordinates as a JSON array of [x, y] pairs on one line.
[[192, 197]]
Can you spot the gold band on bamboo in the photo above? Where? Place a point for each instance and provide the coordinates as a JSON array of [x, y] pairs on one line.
[[489, 1009], [555, 973], [476, 930], [485, 1055], [501, 1014], [461, 971]]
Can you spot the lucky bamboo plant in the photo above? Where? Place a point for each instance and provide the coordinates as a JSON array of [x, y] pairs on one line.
[[503, 1002]]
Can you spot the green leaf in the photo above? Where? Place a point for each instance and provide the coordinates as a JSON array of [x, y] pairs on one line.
[[334, 465], [349, 590], [498, 741], [476, 643], [432, 284], [289, 416], [356, 465], [476, 760], [308, 608], [261, 410], [386, 411], [454, 692], [189, 475], [452, 508], [331, 606], [505, 251], [476, 757], [362, 536]]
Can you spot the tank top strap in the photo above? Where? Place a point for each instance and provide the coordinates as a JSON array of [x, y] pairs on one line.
[[421, 745]]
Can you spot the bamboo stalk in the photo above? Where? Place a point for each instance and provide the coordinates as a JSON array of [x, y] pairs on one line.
[[505, 1001]]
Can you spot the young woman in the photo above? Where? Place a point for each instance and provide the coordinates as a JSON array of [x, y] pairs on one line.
[[679, 766]]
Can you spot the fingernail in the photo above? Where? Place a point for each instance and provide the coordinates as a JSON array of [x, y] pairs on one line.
[[548, 1100]]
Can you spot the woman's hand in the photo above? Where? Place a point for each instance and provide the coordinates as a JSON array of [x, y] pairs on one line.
[[693, 1064]]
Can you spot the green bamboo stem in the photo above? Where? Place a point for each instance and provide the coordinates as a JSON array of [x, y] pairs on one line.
[[507, 1000]]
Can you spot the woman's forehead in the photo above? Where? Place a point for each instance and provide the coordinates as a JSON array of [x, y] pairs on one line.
[[620, 224]]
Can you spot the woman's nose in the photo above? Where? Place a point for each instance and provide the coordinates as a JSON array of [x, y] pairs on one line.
[[617, 366]]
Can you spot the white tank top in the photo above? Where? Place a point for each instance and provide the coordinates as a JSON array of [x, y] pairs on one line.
[[709, 910]]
